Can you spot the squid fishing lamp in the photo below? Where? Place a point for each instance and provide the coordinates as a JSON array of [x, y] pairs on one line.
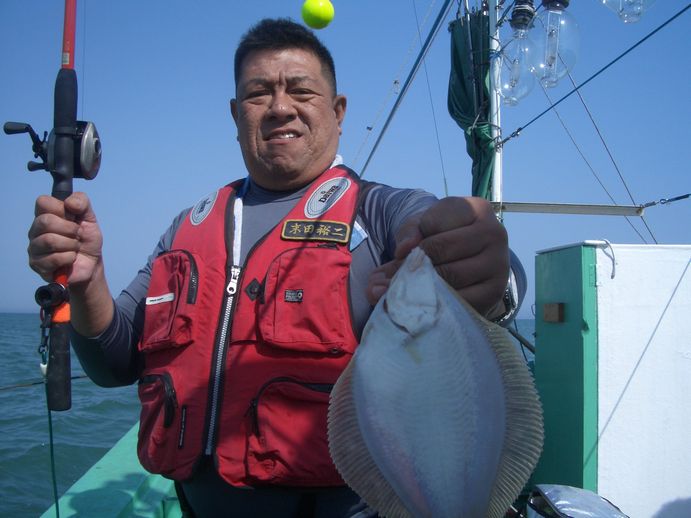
[[317, 13]]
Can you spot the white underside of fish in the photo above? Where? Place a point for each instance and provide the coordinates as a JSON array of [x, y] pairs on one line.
[[437, 414]]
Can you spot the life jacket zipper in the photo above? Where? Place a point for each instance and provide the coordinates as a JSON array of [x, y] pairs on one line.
[[194, 274], [170, 401], [233, 275], [194, 281], [224, 334], [234, 279]]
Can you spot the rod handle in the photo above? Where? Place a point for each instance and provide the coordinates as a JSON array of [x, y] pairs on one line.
[[58, 383]]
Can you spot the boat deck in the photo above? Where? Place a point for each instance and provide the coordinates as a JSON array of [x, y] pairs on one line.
[[117, 485]]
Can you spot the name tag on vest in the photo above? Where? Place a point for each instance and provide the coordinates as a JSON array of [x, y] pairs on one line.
[[311, 230]]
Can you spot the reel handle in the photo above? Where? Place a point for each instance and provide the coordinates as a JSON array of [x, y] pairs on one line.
[[12, 128]]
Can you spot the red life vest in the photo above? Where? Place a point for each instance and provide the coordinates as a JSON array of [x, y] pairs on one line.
[[239, 361]]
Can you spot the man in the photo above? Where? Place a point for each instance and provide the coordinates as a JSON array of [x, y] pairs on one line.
[[253, 301]]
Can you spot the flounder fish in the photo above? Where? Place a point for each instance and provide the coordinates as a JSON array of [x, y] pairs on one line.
[[437, 414]]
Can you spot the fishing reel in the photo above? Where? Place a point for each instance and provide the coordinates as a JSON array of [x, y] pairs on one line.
[[87, 148]]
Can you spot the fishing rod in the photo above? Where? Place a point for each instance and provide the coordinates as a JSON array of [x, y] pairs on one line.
[[71, 150]]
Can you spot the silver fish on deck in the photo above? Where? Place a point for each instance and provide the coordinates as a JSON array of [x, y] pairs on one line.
[[437, 414]]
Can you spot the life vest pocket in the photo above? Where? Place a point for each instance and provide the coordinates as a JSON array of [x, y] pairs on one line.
[[170, 302], [304, 300], [162, 426], [287, 440]]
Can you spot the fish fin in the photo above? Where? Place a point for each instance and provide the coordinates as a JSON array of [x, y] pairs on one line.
[[351, 456], [524, 421]]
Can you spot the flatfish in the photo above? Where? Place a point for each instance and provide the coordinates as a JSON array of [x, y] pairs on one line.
[[437, 414]]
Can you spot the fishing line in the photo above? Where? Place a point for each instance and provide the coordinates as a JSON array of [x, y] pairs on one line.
[[518, 131], [52, 461], [83, 67], [33, 383]]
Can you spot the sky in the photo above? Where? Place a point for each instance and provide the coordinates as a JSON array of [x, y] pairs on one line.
[[156, 79]]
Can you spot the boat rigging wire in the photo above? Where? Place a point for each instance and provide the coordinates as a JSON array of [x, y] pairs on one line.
[[406, 85], [665, 201], [521, 339], [588, 164], [506, 12], [431, 105], [395, 87], [614, 162], [518, 131]]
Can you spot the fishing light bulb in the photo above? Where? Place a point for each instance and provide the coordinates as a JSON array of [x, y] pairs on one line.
[[555, 33], [516, 78], [629, 11]]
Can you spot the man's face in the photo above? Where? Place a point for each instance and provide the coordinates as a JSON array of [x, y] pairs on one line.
[[287, 117]]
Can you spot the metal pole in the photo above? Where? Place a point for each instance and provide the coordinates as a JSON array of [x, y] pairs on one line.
[[495, 101]]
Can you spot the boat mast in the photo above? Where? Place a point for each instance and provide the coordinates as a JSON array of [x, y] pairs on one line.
[[495, 102]]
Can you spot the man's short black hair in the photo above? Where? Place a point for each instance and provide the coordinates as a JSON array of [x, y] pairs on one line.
[[280, 34]]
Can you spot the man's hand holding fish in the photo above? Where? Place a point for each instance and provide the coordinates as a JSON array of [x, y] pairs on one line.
[[466, 244]]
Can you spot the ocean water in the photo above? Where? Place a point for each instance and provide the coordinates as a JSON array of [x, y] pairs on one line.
[[82, 435]]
